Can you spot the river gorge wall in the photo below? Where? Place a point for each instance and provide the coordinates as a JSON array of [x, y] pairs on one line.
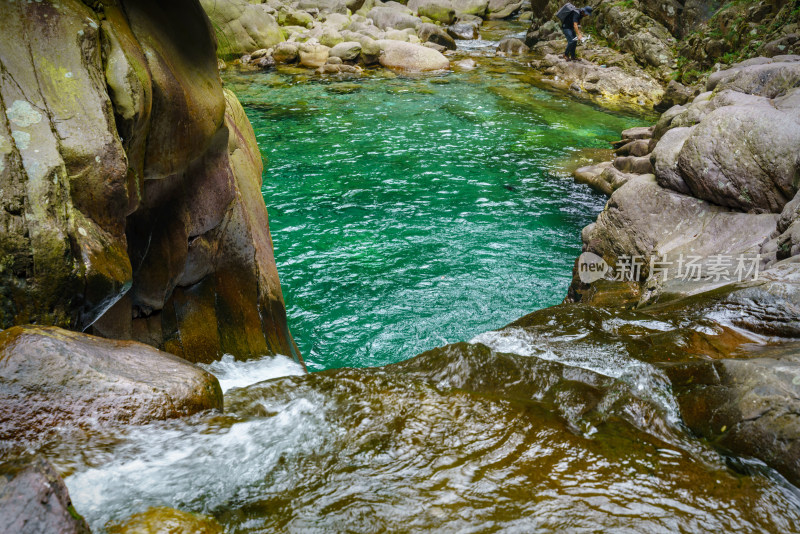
[[131, 183], [132, 210]]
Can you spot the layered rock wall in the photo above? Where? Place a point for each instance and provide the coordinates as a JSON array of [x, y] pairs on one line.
[[131, 182]]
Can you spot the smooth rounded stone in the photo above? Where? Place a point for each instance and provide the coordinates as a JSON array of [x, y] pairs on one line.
[[396, 35], [286, 52], [501, 9], [789, 103], [433, 46], [591, 176], [294, 17], [743, 157], [354, 5], [634, 164], [641, 132], [434, 34], [52, 379], [476, 8], [337, 21], [665, 160], [512, 46], [313, 55], [163, 520], [785, 44], [464, 31], [436, 10], [398, 6], [294, 33], [324, 6], [769, 79], [411, 57], [675, 94], [333, 60], [386, 17], [466, 64], [35, 500], [330, 37], [665, 121], [265, 63], [241, 27], [258, 54], [347, 51], [637, 147], [371, 52]]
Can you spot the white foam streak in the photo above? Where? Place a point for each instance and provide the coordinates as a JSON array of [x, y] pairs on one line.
[[238, 374]]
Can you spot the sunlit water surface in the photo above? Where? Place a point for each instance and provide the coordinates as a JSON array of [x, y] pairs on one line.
[[409, 213]]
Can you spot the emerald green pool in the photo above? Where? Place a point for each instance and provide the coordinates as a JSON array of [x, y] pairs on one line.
[[410, 212]]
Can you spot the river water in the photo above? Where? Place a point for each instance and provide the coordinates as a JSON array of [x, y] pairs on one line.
[[408, 213]]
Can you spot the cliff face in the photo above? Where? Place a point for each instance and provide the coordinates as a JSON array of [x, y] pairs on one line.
[[131, 202]]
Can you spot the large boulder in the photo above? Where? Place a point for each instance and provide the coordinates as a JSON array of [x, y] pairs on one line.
[[34, 500], [286, 52], [387, 17], [665, 160], [431, 33], [123, 212], [324, 6], [241, 26], [436, 10], [347, 51], [464, 31], [471, 7], [611, 85], [639, 221], [746, 158], [313, 55], [411, 57], [52, 380], [501, 9], [769, 78], [512, 46]]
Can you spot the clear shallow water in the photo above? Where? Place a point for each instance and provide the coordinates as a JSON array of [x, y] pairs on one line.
[[412, 212]]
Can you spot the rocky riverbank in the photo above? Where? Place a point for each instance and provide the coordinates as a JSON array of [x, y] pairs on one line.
[[135, 241]]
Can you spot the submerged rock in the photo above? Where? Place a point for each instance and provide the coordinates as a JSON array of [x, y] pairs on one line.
[[52, 380], [34, 500], [164, 520], [748, 407]]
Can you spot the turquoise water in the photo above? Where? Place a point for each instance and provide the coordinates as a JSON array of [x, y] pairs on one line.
[[408, 213]]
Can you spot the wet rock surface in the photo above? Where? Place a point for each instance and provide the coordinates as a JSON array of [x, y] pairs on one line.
[[53, 381], [34, 500], [114, 223]]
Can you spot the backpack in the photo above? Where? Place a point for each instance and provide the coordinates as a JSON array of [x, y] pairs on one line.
[[565, 11]]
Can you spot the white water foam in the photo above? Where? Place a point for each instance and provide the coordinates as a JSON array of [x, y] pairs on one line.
[[238, 374], [610, 360]]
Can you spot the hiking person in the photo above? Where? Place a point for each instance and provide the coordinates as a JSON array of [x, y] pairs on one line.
[[570, 17]]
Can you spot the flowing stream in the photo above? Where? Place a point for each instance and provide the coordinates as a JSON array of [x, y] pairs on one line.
[[408, 213]]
